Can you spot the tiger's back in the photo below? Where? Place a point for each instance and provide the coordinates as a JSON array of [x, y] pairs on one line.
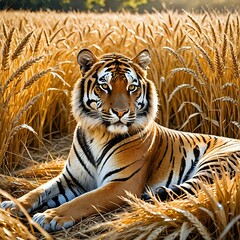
[[118, 146]]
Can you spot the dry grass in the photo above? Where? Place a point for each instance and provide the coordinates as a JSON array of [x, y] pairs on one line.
[[194, 66]]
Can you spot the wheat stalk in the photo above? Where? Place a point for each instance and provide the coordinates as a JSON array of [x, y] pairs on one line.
[[35, 78], [36, 47], [218, 62], [173, 235], [24, 109], [55, 34], [237, 31], [46, 38], [21, 46], [227, 99], [6, 50], [213, 33], [189, 71], [195, 22], [219, 26], [196, 223], [227, 24], [5, 31], [155, 233], [178, 57], [177, 26], [21, 70], [231, 34], [204, 53], [224, 49], [234, 61]]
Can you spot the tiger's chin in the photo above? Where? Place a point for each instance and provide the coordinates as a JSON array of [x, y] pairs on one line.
[[118, 129]]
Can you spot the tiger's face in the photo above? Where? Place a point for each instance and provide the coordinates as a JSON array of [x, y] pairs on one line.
[[114, 93]]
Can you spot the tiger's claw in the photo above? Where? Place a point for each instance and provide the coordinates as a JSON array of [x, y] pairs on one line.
[[51, 222]]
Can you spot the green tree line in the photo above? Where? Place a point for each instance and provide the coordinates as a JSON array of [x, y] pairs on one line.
[[117, 5]]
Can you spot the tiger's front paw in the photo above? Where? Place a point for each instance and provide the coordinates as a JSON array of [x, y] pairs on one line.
[[11, 207], [51, 221]]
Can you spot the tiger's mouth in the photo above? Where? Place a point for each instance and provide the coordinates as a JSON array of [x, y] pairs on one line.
[[118, 125]]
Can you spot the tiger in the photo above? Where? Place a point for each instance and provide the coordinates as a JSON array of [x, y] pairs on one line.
[[118, 147]]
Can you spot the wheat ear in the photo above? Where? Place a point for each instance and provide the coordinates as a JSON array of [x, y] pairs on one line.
[[196, 24], [20, 70], [21, 46], [234, 61], [204, 53], [36, 77], [5, 31], [37, 42], [213, 33], [224, 49], [25, 109], [178, 57], [200, 70], [6, 50], [196, 223], [218, 62]]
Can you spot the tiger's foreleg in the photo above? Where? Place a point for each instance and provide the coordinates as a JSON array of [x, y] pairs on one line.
[[104, 198], [51, 194]]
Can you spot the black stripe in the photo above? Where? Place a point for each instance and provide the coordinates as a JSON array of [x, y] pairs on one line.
[[184, 152], [126, 143], [182, 168], [144, 112], [114, 171], [126, 178], [208, 145], [192, 138], [203, 138], [69, 185], [193, 165], [166, 149], [81, 161], [76, 182], [196, 153], [171, 156], [82, 91], [197, 138], [181, 140], [83, 143], [169, 178], [61, 190], [88, 88], [114, 141], [185, 136], [55, 199], [193, 185]]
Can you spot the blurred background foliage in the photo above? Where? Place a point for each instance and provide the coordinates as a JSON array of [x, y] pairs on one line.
[[117, 5]]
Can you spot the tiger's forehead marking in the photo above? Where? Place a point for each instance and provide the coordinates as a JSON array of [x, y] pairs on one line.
[[106, 74]]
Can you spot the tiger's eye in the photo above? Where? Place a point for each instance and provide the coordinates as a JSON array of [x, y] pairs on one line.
[[132, 87], [104, 86]]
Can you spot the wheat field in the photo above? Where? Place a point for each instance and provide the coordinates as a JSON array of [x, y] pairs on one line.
[[195, 66]]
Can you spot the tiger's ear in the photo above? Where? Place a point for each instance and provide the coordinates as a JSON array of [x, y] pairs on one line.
[[143, 59], [86, 59]]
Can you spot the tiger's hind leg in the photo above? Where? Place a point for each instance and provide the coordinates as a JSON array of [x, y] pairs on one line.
[[169, 193], [51, 194], [209, 166]]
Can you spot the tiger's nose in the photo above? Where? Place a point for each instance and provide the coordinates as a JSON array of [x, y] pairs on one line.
[[119, 112]]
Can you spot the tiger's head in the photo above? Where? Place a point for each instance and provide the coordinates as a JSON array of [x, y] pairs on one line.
[[114, 93]]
